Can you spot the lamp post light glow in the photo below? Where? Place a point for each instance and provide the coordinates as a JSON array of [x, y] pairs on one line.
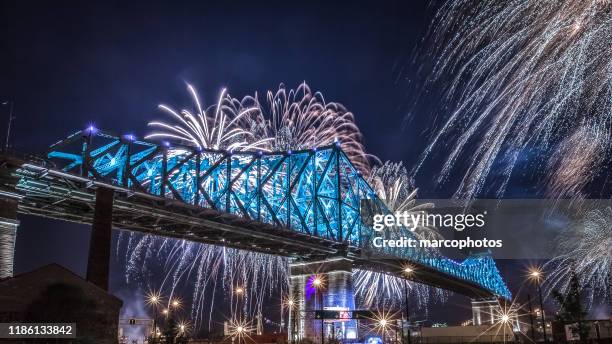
[[153, 299], [408, 271], [536, 275], [317, 283]]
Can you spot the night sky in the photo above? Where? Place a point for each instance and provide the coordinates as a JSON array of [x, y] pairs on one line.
[[67, 65]]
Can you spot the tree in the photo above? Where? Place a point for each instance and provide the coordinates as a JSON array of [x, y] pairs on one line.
[[170, 331], [570, 308]]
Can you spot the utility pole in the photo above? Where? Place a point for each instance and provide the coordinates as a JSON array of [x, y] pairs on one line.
[[407, 311], [11, 105], [542, 312], [531, 318]]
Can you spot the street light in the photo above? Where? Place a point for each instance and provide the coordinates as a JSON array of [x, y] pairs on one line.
[[154, 299], [536, 275], [408, 271], [317, 283], [176, 304]]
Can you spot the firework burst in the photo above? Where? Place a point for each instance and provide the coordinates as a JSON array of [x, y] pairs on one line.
[[215, 127], [302, 119], [585, 250], [527, 76], [289, 120]]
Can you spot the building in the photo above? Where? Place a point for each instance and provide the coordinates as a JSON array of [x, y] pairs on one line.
[[53, 293], [467, 334]]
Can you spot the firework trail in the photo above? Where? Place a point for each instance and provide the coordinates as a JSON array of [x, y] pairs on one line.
[[257, 275], [526, 75], [586, 250], [302, 119], [290, 120], [393, 185]]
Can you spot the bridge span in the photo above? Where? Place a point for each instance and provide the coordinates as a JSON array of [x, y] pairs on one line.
[[304, 204]]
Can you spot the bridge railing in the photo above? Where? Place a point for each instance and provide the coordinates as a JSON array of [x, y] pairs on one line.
[[316, 191]]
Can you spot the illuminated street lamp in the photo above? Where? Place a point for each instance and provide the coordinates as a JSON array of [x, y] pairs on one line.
[[317, 283], [183, 326], [176, 303], [408, 271], [536, 275], [154, 299]]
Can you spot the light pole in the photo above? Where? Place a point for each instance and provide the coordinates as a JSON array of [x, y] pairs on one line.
[[11, 105], [290, 303], [153, 300], [531, 318], [239, 304], [536, 275], [318, 283], [407, 272]]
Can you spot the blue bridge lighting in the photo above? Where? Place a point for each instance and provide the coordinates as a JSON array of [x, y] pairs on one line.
[[316, 191]]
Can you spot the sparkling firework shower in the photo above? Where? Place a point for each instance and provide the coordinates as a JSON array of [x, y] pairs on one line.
[[585, 250], [302, 119], [393, 185], [527, 76], [290, 120]]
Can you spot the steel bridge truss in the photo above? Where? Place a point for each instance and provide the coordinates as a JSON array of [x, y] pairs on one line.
[[315, 192]]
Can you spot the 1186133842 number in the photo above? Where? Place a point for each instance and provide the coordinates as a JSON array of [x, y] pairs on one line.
[[37, 330]]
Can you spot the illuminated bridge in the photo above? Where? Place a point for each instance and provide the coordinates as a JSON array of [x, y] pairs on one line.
[[302, 204]]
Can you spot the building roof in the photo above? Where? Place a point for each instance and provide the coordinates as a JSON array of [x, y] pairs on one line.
[[18, 291]]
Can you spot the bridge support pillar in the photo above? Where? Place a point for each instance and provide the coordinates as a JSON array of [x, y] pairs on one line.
[[335, 293], [8, 235], [100, 243]]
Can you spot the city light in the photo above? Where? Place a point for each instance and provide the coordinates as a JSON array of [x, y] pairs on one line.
[[153, 298], [176, 303], [289, 303], [183, 326], [239, 329], [407, 269], [535, 274]]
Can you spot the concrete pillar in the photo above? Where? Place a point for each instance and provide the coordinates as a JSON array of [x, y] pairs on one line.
[[337, 293], [8, 235], [484, 311], [100, 243]]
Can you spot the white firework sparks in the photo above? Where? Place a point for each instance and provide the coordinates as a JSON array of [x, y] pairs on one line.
[[302, 119], [527, 75], [259, 275], [292, 120], [586, 250], [393, 185], [215, 127]]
